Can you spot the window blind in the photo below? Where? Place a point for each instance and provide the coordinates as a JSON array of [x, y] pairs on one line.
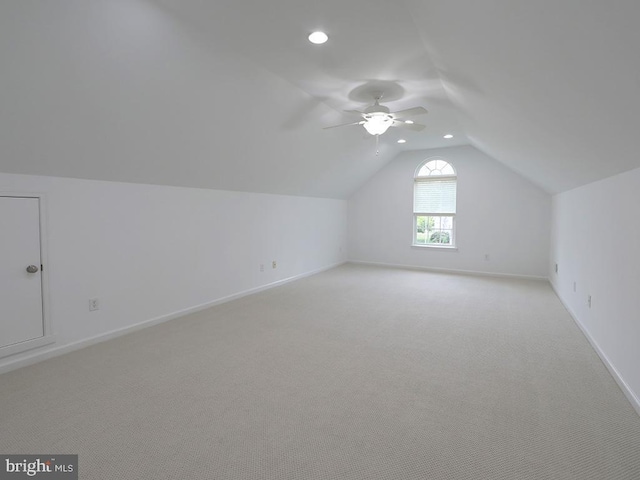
[[435, 196]]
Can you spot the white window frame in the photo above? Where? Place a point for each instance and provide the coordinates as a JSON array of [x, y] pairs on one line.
[[424, 178]]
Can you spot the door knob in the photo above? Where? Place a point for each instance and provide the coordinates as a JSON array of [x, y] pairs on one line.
[[32, 269]]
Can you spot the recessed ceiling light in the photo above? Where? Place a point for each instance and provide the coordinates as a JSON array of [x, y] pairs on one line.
[[448, 135], [318, 37], [408, 121], [402, 140]]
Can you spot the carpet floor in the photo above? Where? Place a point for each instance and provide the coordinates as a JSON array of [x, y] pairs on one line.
[[352, 374]]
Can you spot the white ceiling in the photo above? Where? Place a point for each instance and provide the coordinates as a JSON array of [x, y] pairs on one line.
[[373, 46], [231, 95], [550, 88]]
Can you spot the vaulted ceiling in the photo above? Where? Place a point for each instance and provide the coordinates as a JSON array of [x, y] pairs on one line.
[[229, 94]]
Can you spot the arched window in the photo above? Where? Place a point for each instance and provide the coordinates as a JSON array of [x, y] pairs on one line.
[[434, 204]]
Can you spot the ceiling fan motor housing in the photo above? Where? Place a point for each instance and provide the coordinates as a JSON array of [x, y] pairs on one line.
[[377, 108]]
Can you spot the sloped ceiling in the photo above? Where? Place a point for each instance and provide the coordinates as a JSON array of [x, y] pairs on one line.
[[230, 95], [549, 88]]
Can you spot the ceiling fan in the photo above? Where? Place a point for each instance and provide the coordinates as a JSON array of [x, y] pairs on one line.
[[377, 118]]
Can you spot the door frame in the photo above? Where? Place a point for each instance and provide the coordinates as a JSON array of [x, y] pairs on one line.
[[48, 336]]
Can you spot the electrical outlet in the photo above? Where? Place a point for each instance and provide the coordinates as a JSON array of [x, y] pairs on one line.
[[556, 268], [94, 304], [274, 264], [589, 300], [262, 267]]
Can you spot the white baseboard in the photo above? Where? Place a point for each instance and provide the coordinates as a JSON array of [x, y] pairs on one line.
[[37, 357], [624, 386], [450, 270]]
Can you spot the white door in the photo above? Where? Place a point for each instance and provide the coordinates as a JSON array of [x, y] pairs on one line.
[[21, 316]]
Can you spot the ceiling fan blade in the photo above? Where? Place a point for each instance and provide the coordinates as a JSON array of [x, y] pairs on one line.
[[411, 126], [344, 125], [355, 112], [410, 112]]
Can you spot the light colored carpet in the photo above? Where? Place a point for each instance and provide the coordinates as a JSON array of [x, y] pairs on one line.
[[356, 373]]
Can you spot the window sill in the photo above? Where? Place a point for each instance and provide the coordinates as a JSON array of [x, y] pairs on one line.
[[436, 247]]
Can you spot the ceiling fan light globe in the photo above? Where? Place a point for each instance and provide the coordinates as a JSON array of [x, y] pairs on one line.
[[378, 124]]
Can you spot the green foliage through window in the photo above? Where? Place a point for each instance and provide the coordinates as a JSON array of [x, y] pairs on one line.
[[434, 230], [440, 237]]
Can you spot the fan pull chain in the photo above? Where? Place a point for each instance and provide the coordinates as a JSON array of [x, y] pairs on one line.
[[377, 145]]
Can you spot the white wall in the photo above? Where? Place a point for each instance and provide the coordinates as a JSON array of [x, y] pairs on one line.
[[498, 213], [595, 241], [150, 251]]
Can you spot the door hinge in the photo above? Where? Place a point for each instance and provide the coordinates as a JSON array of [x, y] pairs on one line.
[[41, 267]]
